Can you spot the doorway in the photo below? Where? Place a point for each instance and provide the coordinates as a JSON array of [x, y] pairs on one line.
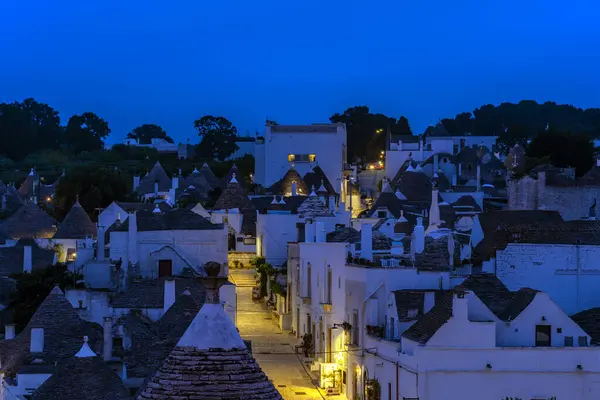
[[165, 268]]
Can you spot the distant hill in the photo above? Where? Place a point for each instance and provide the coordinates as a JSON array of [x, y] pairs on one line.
[[527, 115]]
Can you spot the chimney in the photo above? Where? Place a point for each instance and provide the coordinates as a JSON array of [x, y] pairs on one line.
[[213, 281], [309, 231], [155, 190], [366, 241], [100, 244], [320, 234], [27, 259], [3, 201], [451, 250], [9, 331], [397, 248], [478, 177], [169, 296], [136, 182], [435, 163], [419, 236], [459, 306], [598, 162], [37, 340], [454, 180], [108, 339], [294, 188], [132, 238], [434, 210], [428, 301], [421, 145], [175, 182], [172, 197]]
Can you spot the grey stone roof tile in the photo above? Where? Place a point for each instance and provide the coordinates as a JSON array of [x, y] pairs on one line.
[[87, 378]]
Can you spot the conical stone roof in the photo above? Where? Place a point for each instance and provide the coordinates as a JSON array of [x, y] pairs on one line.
[[85, 376], [313, 207], [210, 361], [76, 225], [30, 221]]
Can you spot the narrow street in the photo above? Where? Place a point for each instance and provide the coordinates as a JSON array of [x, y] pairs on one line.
[[272, 348]]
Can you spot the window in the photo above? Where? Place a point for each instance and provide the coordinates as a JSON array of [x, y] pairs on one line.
[[302, 158], [543, 335], [392, 326], [250, 241], [381, 214], [355, 327], [583, 341], [568, 341], [412, 313], [389, 391]]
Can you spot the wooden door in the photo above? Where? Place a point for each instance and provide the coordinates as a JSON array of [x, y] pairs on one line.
[[165, 268]]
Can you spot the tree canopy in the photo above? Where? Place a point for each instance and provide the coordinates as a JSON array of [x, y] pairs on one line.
[[146, 132], [96, 188], [33, 288], [367, 132], [531, 118], [217, 137], [86, 132], [563, 149], [27, 127]]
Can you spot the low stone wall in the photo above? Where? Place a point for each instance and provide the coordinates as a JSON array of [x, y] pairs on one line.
[[243, 258]]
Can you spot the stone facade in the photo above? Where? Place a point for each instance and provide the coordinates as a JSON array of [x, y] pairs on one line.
[[572, 201], [568, 273]]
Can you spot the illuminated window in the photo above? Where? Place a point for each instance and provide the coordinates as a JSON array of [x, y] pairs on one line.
[[291, 157], [312, 158]]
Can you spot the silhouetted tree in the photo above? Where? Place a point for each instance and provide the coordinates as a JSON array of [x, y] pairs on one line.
[[86, 132], [33, 288], [27, 127], [96, 188], [217, 137], [145, 133], [510, 137], [366, 132], [564, 149]]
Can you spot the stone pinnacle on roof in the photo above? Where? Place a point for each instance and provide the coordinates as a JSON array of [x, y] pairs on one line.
[[418, 169], [233, 179], [156, 209], [32, 172], [402, 218], [410, 168], [85, 351], [56, 290], [281, 201], [274, 201], [312, 191], [195, 171], [322, 187]]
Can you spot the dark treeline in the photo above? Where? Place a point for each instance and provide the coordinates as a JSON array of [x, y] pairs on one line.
[[527, 116]]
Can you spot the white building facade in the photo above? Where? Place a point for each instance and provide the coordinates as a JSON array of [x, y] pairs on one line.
[[302, 146]]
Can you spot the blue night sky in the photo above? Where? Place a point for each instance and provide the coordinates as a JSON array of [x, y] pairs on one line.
[[169, 63]]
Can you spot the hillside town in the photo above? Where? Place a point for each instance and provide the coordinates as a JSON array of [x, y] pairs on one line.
[[440, 270]]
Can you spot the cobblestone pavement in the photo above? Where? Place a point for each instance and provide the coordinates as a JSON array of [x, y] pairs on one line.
[[273, 348]]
